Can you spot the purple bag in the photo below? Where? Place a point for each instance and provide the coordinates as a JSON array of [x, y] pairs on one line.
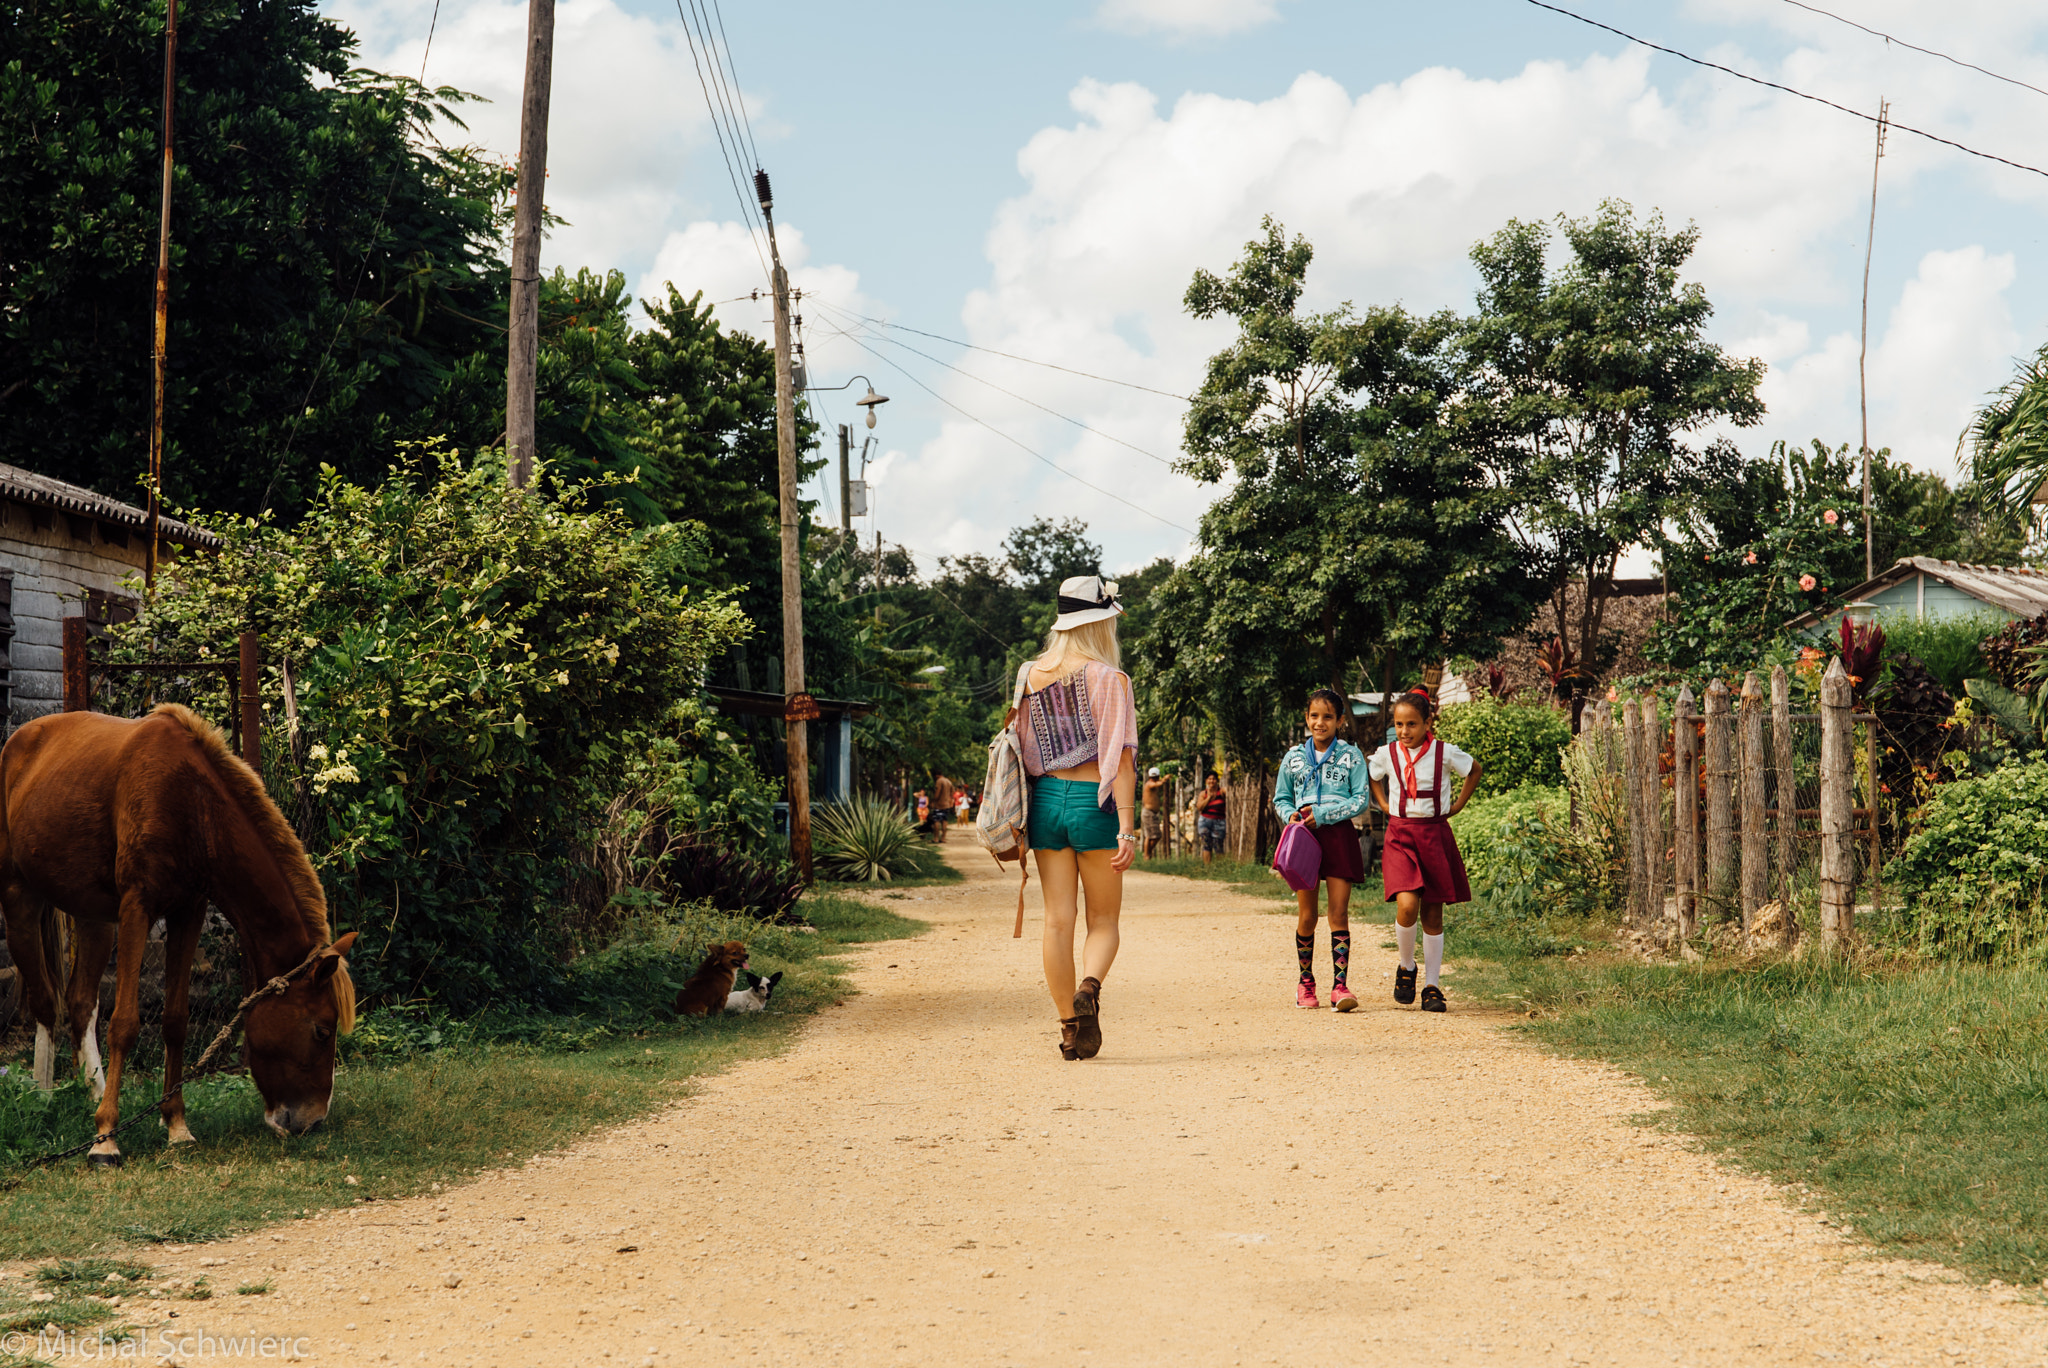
[[1299, 857]]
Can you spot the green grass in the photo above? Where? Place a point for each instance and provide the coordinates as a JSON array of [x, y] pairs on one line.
[[434, 1101], [1912, 1098]]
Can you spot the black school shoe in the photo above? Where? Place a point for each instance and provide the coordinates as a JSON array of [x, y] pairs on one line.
[[1404, 985], [1433, 999]]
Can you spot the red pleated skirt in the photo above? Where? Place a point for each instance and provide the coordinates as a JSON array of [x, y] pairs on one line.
[[1421, 855], [1342, 857]]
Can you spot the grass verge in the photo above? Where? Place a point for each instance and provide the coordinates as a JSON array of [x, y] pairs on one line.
[[1911, 1097], [421, 1100]]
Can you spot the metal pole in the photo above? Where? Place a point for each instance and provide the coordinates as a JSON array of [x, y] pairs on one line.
[[523, 341], [845, 481], [163, 304], [1863, 352], [795, 729]]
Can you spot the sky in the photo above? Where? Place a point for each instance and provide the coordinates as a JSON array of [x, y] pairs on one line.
[[1044, 181]]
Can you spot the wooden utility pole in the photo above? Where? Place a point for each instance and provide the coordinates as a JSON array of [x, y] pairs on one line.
[[1884, 111], [1837, 804], [523, 349], [159, 347], [797, 704]]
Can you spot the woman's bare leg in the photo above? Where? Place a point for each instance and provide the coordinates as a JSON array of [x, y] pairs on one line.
[[1104, 887], [1059, 884]]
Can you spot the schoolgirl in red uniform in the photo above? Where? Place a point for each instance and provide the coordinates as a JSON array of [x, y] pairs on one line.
[[1421, 866]]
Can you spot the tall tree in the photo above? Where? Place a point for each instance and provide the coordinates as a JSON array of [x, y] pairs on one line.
[[331, 263], [1585, 386]]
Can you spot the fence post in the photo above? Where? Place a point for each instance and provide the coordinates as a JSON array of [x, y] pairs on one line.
[[77, 676], [1756, 860], [1652, 732], [1837, 805], [1685, 813], [252, 702], [1786, 795], [1720, 805], [1638, 843]]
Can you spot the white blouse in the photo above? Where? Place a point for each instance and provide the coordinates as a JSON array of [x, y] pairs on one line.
[[1457, 764]]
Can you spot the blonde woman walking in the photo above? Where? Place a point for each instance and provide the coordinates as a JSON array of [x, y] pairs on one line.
[[1078, 728]]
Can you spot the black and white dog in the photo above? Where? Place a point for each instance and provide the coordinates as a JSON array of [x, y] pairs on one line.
[[754, 997]]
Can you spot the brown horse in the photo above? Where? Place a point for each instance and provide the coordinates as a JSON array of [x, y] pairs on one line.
[[120, 822]]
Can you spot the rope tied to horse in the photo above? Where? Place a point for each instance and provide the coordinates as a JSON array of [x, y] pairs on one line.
[[206, 1064]]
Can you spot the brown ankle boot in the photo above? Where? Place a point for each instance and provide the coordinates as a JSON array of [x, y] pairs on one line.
[[1067, 1030], [1087, 1018]]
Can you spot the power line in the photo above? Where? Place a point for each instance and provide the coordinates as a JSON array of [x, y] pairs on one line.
[[1035, 455], [1065, 418], [749, 212], [726, 44], [1758, 80], [1880, 33], [1011, 356]]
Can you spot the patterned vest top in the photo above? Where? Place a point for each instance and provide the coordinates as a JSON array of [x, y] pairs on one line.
[[1061, 720]]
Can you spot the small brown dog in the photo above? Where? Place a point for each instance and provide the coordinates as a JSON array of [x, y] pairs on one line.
[[706, 990]]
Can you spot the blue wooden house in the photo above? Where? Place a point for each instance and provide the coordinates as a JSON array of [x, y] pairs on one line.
[[1921, 587]]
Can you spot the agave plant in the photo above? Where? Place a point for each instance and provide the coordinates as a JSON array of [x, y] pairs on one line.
[[864, 840]]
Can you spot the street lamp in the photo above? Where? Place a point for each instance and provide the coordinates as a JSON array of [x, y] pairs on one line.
[[867, 401], [847, 485]]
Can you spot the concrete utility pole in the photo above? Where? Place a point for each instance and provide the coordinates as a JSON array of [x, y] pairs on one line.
[[845, 481], [159, 347], [523, 349], [798, 706], [1884, 111]]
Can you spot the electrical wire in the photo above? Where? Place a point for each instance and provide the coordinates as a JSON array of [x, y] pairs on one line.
[[749, 211], [1880, 33], [1035, 455], [726, 44], [1065, 418], [1758, 80]]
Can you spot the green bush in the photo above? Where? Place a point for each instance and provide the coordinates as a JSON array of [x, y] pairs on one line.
[[472, 672], [866, 840], [1517, 743], [1519, 851], [1950, 647], [1973, 872]]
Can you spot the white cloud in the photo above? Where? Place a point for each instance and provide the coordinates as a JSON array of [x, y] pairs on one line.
[[1393, 185], [1186, 18], [626, 124]]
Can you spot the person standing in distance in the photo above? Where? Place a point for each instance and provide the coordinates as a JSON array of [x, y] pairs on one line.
[[1210, 806], [1154, 811], [1077, 725]]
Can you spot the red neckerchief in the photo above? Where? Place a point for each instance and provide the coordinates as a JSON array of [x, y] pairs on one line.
[[1406, 781]]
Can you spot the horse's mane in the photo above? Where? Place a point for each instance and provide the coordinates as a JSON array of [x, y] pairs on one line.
[[243, 785]]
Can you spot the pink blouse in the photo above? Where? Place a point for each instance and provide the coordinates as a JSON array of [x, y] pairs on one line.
[[1086, 716]]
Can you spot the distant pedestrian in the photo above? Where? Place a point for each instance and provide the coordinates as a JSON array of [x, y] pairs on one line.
[[1154, 810], [922, 808], [1420, 863], [1210, 808], [942, 807], [1078, 728], [1322, 784], [962, 806]]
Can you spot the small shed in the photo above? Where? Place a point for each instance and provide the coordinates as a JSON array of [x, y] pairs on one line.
[[65, 551], [1921, 587]]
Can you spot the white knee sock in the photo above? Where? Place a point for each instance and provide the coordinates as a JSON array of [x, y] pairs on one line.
[[1406, 936], [1432, 958]]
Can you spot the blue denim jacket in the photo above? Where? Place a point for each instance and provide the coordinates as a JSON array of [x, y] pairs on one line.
[[1338, 790]]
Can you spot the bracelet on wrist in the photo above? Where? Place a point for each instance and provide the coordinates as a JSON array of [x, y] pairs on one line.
[[1126, 838]]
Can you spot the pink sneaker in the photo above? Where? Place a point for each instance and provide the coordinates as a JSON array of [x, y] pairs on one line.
[[1305, 995], [1342, 999]]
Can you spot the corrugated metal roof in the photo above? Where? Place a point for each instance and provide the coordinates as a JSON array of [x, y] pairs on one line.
[[2015, 588], [27, 487]]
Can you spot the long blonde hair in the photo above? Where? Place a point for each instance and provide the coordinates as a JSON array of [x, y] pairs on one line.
[[1065, 650]]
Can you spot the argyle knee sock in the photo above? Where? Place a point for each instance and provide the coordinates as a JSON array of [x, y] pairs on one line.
[[1305, 951], [1340, 956], [1432, 957]]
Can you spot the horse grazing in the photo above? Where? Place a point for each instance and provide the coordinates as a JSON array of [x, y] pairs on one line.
[[120, 822]]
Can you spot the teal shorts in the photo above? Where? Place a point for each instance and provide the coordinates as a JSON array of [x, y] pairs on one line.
[[1065, 815]]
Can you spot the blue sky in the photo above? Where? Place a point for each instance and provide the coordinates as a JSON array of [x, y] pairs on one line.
[[1043, 180]]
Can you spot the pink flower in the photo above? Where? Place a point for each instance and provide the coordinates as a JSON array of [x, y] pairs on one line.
[[1830, 517], [1807, 582], [1612, 695], [1749, 559]]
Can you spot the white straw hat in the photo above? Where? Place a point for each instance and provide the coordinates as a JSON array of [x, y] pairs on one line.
[[1085, 599]]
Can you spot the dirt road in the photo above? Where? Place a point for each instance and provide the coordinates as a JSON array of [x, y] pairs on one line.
[[922, 1180]]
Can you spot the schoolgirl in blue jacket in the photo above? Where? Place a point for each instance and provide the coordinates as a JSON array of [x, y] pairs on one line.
[[1323, 784]]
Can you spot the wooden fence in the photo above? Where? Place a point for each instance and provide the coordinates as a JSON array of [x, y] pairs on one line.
[[1720, 824]]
